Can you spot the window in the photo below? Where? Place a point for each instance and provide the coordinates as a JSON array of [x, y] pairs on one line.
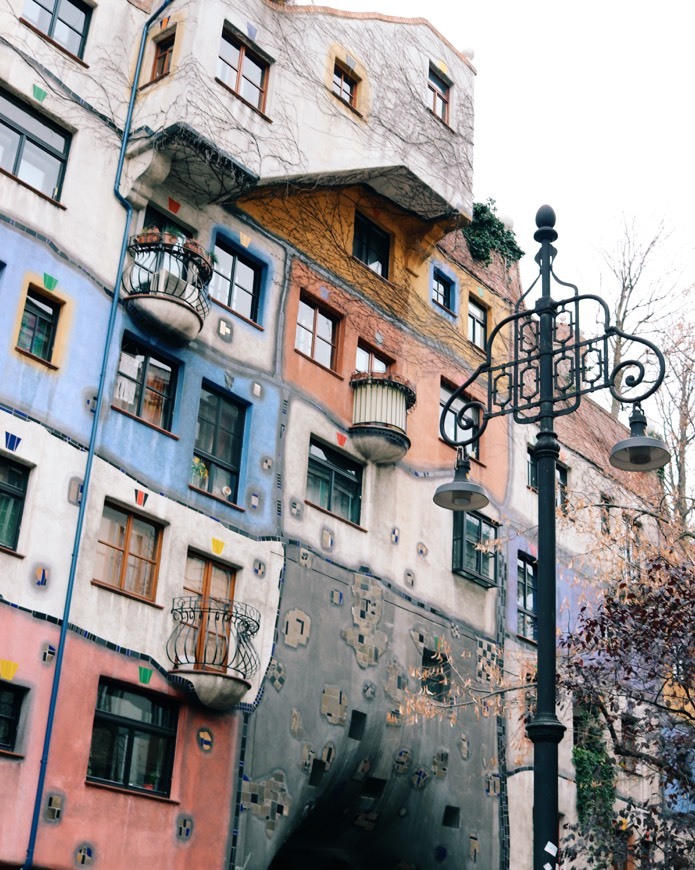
[[128, 552], [345, 85], [438, 96], [39, 323], [561, 498], [526, 625], [334, 482], [13, 487], [218, 442], [146, 385], [451, 426], [10, 708], [133, 740], [316, 333], [31, 147], [436, 674], [370, 361], [443, 290], [628, 726], [475, 551], [236, 281], [212, 586], [477, 324], [65, 21], [242, 70], [605, 509], [163, 52], [371, 245]]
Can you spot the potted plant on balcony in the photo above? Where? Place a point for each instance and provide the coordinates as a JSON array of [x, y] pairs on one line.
[[173, 236], [147, 236]]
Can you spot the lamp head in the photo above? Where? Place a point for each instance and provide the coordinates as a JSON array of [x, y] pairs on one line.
[[639, 452], [461, 494]]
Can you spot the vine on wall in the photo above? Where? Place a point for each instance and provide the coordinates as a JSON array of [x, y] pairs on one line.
[[487, 233]]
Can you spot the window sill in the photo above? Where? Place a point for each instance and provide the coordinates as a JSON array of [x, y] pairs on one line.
[[145, 423], [320, 365], [115, 589], [33, 189], [10, 755], [236, 314], [372, 272], [441, 120], [153, 81], [478, 579], [244, 101], [229, 504], [9, 552], [47, 38], [347, 105], [529, 640], [131, 792], [39, 359], [335, 516], [443, 309]]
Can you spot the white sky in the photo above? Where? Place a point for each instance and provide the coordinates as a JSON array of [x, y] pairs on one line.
[[587, 106]]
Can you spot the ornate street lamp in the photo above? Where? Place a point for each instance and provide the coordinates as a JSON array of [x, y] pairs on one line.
[[551, 366]]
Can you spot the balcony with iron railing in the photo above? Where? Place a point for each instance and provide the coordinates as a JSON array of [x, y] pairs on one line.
[[166, 282], [381, 401], [211, 647]]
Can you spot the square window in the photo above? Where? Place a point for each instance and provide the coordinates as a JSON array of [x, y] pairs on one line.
[[371, 245], [146, 385], [334, 482], [128, 552], [345, 84], [526, 587], [438, 91], [39, 324], [367, 360], [218, 444], [163, 52], [475, 550], [477, 324], [243, 70], [65, 21], [317, 333], [133, 740], [443, 290], [236, 281], [452, 427], [10, 709], [32, 148], [209, 587], [13, 488]]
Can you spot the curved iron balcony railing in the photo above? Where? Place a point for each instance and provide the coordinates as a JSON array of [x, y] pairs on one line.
[[167, 283], [214, 635], [381, 401]]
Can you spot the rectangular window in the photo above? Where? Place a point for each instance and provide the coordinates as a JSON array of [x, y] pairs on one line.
[[561, 477], [371, 245], [146, 385], [163, 52], [443, 290], [477, 324], [128, 552], [367, 360], [236, 281], [133, 740], [334, 482], [526, 596], [436, 674], [10, 708], [451, 426], [218, 442], [628, 728], [606, 505], [65, 21], [13, 488], [317, 333], [438, 96], [211, 588], [39, 324], [32, 148], [475, 550], [242, 70], [345, 84]]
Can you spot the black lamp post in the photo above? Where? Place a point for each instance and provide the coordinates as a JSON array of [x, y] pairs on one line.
[[550, 367]]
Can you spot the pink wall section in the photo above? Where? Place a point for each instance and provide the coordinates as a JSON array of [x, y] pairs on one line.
[[124, 829]]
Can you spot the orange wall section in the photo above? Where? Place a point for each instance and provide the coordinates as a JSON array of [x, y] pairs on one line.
[[125, 829]]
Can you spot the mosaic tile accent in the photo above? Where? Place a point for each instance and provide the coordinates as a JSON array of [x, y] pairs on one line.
[[368, 690], [308, 754], [365, 638], [259, 568], [334, 704], [420, 637], [402, 759], [257, 389], [267, 463], [254, 500], [419, 778], [8, 669], [173, 205], [422, 549], [328, 754], [184, 828], [39, 93], [409, 578], [395, 535], [341, 439], [217, 546], [296, 508], [296, 723], [440, 764], [455, 630], [245, 238], [41, 577], [327, 539], [297, 628], [363, 769], [492, 784], [84, 855], [337, 597], [12, 442], [75, 490], [204, 739], [267, 799], [140, 497], [229, 380], [474, 848], [54, 807], [48, 652], [306, 558], [145, 675], [49, 282], [224, 330], [488, 660], [464, 747], [394, 718], [396, 681], [251, 29], [276, 674]]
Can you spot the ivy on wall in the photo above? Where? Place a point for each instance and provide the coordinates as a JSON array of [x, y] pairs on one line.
[[486, 233]]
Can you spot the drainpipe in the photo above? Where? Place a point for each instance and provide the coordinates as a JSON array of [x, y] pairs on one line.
[[29, 862]]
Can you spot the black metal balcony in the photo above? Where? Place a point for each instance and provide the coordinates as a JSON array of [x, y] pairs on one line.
[[381, 401], [167, 283], [211, 647]]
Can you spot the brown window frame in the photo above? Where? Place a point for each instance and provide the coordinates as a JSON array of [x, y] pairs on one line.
[[345, 76], [163, 53], [438, 86], [206, 626], [318, 309], [125, 553], [372, 356], [244, 52]]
